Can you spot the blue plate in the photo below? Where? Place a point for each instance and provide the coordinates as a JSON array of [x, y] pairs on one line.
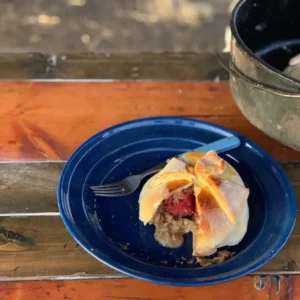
[[109, 228]]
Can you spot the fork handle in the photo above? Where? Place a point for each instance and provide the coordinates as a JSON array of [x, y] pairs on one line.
[[154, 169], [219, 146]]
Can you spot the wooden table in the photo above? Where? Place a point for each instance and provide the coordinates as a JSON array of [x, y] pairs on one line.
[[43, 121]]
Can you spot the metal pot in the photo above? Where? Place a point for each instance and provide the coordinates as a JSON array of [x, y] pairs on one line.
[[265, 35]]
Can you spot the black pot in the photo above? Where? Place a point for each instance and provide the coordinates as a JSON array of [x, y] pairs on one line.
[[265, 35]]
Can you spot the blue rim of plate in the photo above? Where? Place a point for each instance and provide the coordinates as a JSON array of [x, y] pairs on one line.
[[176, 281]]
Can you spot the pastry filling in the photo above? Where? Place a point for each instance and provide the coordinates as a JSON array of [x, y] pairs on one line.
[[174, 218], [181, 204]]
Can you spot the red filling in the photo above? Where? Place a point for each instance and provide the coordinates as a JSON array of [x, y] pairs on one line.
[[181, 204]]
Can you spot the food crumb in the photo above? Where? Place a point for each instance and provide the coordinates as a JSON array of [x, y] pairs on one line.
[[221, 257], [124, 247], [183, 258], [192, 261]]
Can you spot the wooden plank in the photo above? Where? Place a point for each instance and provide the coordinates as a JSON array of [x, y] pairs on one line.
[[132, 289], [48, 120], [144, 66], [91, 66], [295, 287], [29, 187], [39, 247], [23, 65]]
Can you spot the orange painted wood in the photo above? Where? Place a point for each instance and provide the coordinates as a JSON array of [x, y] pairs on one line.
[[48, 120], [295, 287], [132, 289]]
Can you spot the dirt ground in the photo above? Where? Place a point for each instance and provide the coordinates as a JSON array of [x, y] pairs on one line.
[[112, 26]]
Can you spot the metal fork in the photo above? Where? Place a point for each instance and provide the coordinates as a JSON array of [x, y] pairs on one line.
[[131, 183], [125, 186]]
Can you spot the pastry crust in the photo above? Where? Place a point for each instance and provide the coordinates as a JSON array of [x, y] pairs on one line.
[[212, 185], [175, 176], [221, 208]]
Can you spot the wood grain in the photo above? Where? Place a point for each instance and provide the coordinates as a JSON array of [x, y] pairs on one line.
[[48, 120], [40, 247], [29, 187], [90, 66], [23, 65], [295, 287], [245, 288], [46, 251], [142, 66]]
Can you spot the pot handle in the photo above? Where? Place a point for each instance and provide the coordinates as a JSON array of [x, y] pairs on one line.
[[256, 84]]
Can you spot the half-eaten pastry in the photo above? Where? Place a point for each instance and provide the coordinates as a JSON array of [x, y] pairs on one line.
[[199, 193]]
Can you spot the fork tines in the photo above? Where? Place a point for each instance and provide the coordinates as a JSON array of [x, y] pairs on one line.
[[108, 190]]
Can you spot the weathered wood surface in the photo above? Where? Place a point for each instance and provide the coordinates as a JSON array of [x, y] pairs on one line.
[[44, 250], [29, 187], [246, 288], [142, 66], [48, 120], [40, 247]]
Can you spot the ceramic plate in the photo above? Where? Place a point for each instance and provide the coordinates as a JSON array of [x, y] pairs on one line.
[[109, 228]]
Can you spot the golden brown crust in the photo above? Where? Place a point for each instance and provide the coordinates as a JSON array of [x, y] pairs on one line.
[[192, 157], [205, 200], [213, 157], [208, 182], [169, 177], [210, 164]]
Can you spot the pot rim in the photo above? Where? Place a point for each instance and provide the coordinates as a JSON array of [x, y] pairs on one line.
[[252, 55]]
